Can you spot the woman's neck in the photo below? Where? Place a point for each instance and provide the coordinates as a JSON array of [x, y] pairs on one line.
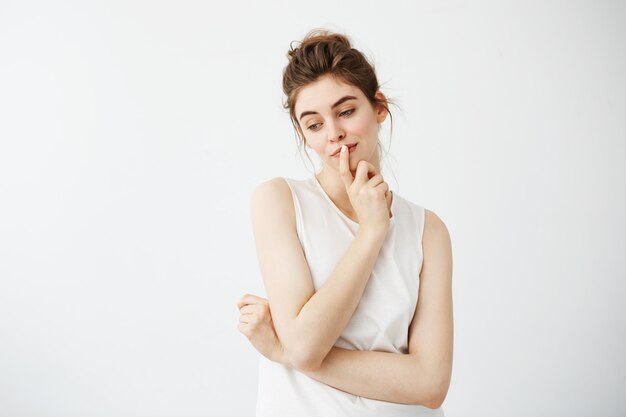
[[334, 187]]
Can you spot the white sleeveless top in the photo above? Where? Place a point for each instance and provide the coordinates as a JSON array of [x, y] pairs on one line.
[[381, 320]]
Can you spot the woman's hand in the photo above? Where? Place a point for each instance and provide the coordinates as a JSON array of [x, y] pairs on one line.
[[368, 192], [255, 322]]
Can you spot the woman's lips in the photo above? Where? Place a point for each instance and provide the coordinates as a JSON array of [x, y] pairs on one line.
[[350, 149]]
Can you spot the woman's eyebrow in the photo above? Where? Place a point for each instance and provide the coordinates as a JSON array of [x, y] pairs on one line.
[[337, 103]]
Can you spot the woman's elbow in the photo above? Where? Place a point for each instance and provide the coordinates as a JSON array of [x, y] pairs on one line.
[[430, 400], [308, 365], [437, 396], [435, 401], [430, 390], [305, 360]]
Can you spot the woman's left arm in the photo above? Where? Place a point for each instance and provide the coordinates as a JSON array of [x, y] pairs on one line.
[[423, 375]]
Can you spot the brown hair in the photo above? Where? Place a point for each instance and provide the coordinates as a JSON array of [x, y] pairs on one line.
[[323, 52]]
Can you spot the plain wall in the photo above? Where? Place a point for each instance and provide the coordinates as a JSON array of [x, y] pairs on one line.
[[132, 134]]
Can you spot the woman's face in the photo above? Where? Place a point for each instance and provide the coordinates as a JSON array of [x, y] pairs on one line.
[[331, 113]]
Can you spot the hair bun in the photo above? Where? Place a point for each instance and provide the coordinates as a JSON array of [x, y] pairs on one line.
[[316, 37]]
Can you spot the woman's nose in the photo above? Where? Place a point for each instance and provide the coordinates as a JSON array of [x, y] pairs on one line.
[[335, 132]]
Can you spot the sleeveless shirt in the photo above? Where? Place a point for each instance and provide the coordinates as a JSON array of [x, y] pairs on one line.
[[381, 320]]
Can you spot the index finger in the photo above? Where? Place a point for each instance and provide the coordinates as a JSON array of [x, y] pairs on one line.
[[250, 299], [344, 166]]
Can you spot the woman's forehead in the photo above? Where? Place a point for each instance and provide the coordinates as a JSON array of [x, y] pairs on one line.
[[323, 93]]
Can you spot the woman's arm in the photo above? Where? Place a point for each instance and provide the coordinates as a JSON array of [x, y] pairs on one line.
[[423, 375], [385, 376], [420, 377], [307, 322]]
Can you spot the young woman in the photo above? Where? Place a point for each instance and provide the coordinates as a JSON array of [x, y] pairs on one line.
[[344, 261]]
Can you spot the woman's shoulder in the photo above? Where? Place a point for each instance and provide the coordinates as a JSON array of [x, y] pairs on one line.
[[281, 188], [280, 185], [435, 230], [273, 197], [270, 189]]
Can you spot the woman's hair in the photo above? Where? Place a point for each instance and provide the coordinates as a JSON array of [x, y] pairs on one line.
[[321, 53]]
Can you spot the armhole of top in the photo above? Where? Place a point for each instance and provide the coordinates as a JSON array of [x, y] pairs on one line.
[[422, 211], [294, 206], [422, 226]]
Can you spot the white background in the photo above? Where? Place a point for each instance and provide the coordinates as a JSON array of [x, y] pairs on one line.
[[132, 134]]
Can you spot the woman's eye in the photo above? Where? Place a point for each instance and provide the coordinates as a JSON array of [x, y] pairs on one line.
[[343, 113]]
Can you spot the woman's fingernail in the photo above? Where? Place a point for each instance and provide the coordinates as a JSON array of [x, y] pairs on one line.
[[343, 148]]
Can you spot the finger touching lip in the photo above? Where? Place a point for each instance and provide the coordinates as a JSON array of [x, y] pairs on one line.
[[350, 149]]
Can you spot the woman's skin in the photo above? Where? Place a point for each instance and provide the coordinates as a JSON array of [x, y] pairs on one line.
[[327, 128], [421, 376]]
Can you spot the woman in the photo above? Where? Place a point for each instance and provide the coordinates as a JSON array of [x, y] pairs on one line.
[[344, 260]]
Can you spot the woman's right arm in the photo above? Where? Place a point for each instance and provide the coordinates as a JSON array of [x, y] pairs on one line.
[[308, 323]]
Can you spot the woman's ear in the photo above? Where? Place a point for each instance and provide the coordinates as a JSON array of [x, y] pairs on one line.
[[381, 110]]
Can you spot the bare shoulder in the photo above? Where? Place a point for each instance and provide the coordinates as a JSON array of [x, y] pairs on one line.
[[434, 227], [272, 199], [436, 242], [274, 187]]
